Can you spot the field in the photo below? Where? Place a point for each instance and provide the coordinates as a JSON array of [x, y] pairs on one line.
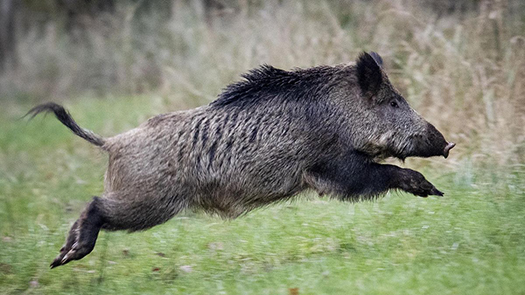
[[469, 242], [464, 73]]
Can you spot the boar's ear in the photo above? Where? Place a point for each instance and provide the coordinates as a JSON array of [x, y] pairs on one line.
[[377, 58], [369, 74]]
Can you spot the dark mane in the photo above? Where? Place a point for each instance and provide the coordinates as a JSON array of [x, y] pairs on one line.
[[268, 83]]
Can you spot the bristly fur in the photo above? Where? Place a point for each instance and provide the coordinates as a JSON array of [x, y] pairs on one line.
[[63, 116], [267, 83]]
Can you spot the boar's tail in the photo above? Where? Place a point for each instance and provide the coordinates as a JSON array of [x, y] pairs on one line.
[[66, 119]]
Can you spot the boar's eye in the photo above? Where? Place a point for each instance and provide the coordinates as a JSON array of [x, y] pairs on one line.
[[394, 104]]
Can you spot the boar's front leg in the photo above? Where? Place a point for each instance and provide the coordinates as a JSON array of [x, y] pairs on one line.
[[413, 182], [354, 175]]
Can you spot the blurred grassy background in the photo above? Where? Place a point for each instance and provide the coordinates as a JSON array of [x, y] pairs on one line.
[[461, 64]]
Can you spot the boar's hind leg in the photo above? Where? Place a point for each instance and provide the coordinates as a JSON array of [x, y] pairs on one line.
[[82, 235], [115, 211], [355, 176]]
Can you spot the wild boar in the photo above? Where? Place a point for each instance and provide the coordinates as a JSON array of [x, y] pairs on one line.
[[266, 138]]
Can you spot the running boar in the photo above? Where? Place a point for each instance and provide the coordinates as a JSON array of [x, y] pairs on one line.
[[265, 139]]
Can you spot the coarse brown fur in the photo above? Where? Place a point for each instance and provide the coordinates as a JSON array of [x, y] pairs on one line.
[[265, 139]]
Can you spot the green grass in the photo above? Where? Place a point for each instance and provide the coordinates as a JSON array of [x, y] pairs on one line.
[[472, 241]]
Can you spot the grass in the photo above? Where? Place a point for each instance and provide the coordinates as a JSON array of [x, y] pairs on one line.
[[469, 242]]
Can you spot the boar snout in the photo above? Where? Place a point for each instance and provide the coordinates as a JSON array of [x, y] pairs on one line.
[[431, 143], [439, 146]]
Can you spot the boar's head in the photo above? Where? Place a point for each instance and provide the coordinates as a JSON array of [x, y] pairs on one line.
[[384, 124]]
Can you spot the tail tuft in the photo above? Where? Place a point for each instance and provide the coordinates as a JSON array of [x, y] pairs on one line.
[[65, 118]]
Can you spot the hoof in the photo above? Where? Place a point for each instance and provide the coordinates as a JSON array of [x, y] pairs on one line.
[[75, 252]]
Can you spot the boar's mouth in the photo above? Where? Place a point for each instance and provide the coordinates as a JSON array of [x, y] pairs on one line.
[[430, 143], [425, 152]]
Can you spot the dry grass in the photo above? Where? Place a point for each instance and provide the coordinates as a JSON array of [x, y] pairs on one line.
[[464, 72]]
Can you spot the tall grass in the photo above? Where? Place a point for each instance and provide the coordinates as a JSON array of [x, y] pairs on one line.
[[464, 71]]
